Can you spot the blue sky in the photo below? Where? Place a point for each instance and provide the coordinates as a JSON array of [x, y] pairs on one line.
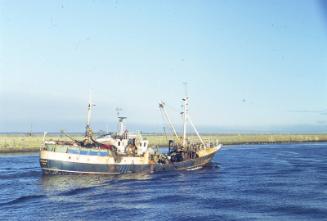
[[250, 65]]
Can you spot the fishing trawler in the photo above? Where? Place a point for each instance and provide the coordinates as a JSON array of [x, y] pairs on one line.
[[123, 152]]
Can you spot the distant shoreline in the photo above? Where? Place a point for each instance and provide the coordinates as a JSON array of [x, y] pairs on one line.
[[20, 143]]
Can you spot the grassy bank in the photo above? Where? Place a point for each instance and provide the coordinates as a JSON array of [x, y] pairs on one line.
[[23, 143], [231, 139]]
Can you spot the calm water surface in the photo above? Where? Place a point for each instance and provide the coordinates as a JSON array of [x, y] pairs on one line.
[[245, 182]]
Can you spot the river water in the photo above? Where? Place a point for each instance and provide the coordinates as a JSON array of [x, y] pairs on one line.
[[244, 182]]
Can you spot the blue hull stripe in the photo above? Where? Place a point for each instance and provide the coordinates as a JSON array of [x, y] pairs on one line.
[[53, 166]]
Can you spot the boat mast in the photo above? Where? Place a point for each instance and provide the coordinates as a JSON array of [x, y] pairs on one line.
[[185, 115], [187, 118], [89, 112]]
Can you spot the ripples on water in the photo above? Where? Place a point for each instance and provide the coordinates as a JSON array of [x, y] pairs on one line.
[[245, 182]]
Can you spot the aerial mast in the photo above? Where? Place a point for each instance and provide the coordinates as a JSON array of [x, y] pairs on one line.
[[185, 114], [89, 112]]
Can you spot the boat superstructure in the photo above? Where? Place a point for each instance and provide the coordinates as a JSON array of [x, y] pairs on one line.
[[123, 152]]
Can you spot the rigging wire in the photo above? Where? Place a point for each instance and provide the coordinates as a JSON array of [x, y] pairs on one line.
[[167, 120], [164, 123]]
